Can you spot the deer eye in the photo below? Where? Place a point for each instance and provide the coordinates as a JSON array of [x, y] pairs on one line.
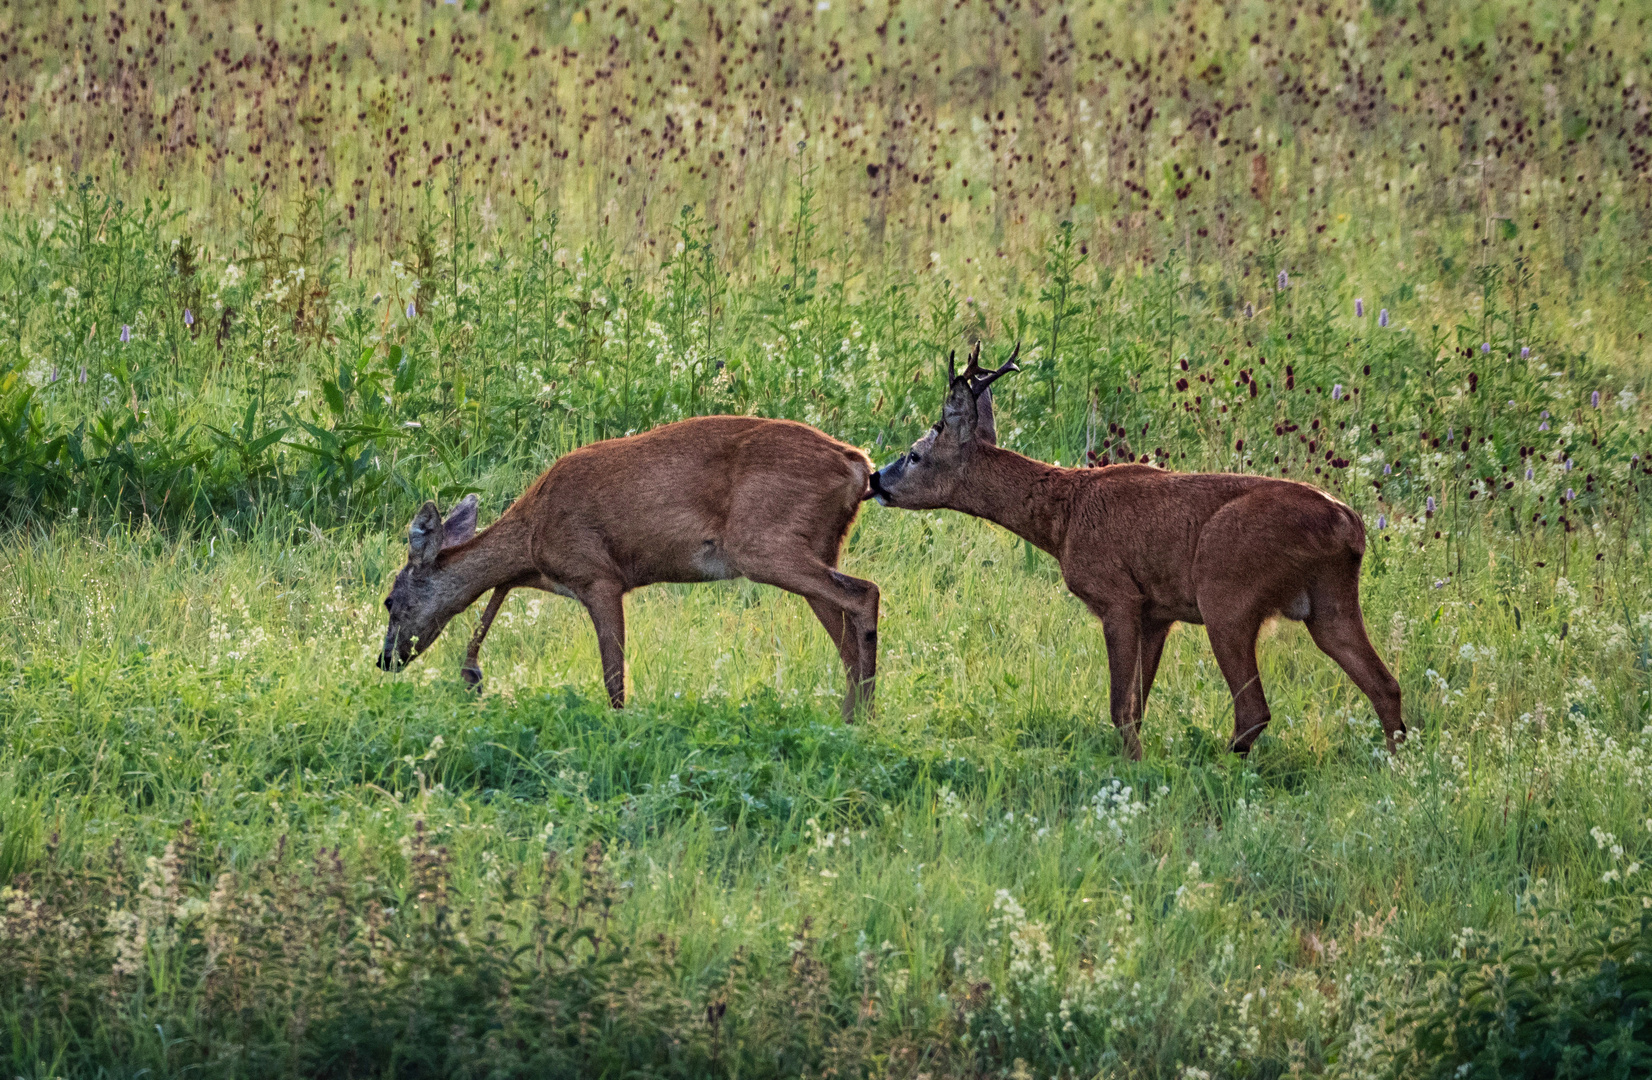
[[914, 457]]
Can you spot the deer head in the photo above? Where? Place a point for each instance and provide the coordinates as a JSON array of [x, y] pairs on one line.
[[421, 602], [926, 476]]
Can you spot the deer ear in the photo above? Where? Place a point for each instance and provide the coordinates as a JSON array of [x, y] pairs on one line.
[[424, 536], [461, 523], [986, 429], [959, 411]]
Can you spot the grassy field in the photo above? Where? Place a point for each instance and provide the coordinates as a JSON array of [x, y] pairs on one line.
[[272, 275]]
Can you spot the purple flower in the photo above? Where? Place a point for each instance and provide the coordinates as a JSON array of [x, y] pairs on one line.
[[412, 312], [1594, 399], [1388, 470], [1544, 415], [1284, 280], [1336, 392], [1430, 504], [1359, 308], [54, 373], [1570, 494], [1544, 426], [83, 373], [1250, 312], [1382, 521], [1528, 473], [1382, 318], [1450, 431], [125, 333], [1525, 351], [1485, 346], [189, 317], [1568, 464]]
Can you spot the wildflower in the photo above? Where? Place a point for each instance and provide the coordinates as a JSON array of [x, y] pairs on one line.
[[1382, 318], [1336, 392], [1485, 346], [1528, 473], [1250, 312], [1525, 351], [125, 333], [1430, 504], [1382, 521], [54, 374], [1544, 415], [1359, 308], [83, 373], [1388, 470], [1568, 464], [1544, 426], [189, 317], [412, 312], [1570, 494], [1284, 280], [1594, 400]]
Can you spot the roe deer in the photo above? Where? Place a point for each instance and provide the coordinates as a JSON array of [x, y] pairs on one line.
[[706, 499], [1145, 549]]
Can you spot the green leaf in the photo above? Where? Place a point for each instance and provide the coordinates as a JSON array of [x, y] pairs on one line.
[[335, 397]]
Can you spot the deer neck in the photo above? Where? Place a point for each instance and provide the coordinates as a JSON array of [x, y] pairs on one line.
[[1027, 497], [498, 555]]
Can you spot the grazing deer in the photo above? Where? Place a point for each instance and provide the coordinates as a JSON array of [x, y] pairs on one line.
[[1145, 549], [706, 499]]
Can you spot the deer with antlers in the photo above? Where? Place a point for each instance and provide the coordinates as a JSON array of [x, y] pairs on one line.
[[705, 499], [1146, 549]]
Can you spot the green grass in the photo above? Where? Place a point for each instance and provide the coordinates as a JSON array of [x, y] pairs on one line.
[[156, 681]]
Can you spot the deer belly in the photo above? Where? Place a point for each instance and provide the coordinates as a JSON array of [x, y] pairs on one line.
[[711, 564]]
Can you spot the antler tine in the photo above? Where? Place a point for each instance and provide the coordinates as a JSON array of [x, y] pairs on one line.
[[952, 367], [979, 386]]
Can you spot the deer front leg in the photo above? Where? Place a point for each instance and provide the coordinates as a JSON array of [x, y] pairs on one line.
[[1124, 656], [471, 672], [606, 603]]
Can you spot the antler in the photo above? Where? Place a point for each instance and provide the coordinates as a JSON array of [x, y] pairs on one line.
[[978, 380]]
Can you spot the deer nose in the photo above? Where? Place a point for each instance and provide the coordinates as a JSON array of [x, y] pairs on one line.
[[875, 485]]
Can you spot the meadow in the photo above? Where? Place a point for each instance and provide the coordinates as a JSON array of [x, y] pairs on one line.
[[273, 274]]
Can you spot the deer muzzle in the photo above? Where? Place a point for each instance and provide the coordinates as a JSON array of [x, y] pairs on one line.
[[886, 477]]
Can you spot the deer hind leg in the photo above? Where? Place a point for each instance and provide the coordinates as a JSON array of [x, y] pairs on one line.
[[815, 581], [606, 603], [1233, 640], [1338, 629], [838, 624]]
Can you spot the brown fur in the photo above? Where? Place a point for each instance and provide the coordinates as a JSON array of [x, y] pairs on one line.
[[706, 499], [1146, 549]]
